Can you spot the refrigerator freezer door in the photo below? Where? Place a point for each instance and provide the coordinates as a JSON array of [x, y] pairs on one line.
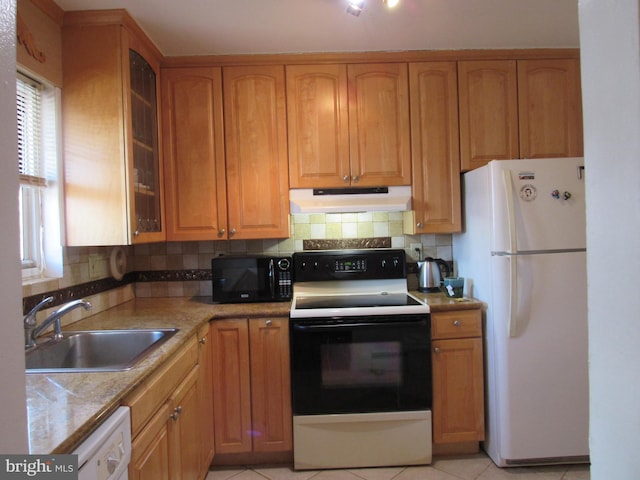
[[547, 203], [537, 381]]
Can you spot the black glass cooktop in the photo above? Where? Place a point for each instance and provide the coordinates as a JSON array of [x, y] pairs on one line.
[[353, 301]]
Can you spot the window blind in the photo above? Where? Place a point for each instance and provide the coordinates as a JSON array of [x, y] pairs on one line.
[[30, 164]]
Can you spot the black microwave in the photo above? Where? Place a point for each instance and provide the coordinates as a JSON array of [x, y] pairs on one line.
[[254, 278]]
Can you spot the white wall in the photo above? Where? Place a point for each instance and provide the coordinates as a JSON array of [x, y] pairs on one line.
[[13, 415], [610, 51]]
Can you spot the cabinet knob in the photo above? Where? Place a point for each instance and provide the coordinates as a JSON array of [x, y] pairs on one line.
[[457, 323], [419, 225], [136, 233], [221, 232], [203, 340], [232, 231], [345, 179], [355, 178], [176, 412], [268, 323], [436, 350]]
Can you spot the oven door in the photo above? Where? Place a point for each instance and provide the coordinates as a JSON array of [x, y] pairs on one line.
[[360, 364]]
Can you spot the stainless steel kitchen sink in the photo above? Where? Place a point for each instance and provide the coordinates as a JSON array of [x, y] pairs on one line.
[[95, 350]]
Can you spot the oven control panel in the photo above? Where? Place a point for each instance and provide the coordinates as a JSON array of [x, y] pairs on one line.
[[358, 265], [349, 265]]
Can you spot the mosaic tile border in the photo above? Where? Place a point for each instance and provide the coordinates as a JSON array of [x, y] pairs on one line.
[[346, 243], [174, 275]]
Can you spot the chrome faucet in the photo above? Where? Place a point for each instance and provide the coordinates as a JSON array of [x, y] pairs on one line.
[[32, 331], [30, 321]]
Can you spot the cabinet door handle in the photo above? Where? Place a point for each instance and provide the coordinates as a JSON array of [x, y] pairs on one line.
[[355, 179], [345, 179], [419, 225], [221, 232], [268, 323], [457, 323], [232, 231], [436, 350], [203, 340]]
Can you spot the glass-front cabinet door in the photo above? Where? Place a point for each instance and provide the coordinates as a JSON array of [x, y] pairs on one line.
[[144, 127]]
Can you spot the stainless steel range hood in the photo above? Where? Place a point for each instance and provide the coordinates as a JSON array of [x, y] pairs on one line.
[[346, 200]]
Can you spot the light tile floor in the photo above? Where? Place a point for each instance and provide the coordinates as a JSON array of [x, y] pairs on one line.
[[472, 467]]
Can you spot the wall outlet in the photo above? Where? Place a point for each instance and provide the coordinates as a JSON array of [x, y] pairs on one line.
[[413, 253]]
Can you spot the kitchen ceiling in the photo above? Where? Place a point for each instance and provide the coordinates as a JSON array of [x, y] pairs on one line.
[[216, 27]]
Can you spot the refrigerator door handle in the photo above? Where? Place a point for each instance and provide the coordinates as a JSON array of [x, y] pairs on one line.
[[511, 219], [513, 248]]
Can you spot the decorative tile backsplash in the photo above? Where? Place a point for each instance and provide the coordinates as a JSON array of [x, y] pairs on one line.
[[183, 268]]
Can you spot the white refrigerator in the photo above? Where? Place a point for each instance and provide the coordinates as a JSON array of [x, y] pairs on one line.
[[523, 253]]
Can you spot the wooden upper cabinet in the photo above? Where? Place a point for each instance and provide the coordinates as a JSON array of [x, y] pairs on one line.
[[193, 151], [488, 96], [256, 152], [348, 125], [379, 138], [434, 149], [318, 123], [550, 108], [113, 168]]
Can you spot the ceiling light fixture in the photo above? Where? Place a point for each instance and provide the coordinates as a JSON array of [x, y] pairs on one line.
[[354, 7]]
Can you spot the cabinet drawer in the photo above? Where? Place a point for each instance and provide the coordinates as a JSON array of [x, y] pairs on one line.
[[147, 398], [456, 324]]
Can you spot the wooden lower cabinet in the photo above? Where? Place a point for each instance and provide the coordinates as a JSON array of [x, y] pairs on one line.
[[251, 386], [169, 419], [205, 425], [150, 449], [184, 425], [458, 377]]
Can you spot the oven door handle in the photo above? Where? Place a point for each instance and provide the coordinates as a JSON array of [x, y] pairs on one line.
[[324, 326]]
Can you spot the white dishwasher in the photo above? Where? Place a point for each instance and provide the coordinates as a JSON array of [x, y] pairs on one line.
[[105, 454]]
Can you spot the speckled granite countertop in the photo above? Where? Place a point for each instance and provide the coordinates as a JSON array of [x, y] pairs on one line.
[[439, 302], [62, 409]]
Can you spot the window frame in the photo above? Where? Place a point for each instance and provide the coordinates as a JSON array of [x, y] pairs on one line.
[[40, 193]]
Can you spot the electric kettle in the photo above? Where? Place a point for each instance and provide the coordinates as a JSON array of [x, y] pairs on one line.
[[432, 272]]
